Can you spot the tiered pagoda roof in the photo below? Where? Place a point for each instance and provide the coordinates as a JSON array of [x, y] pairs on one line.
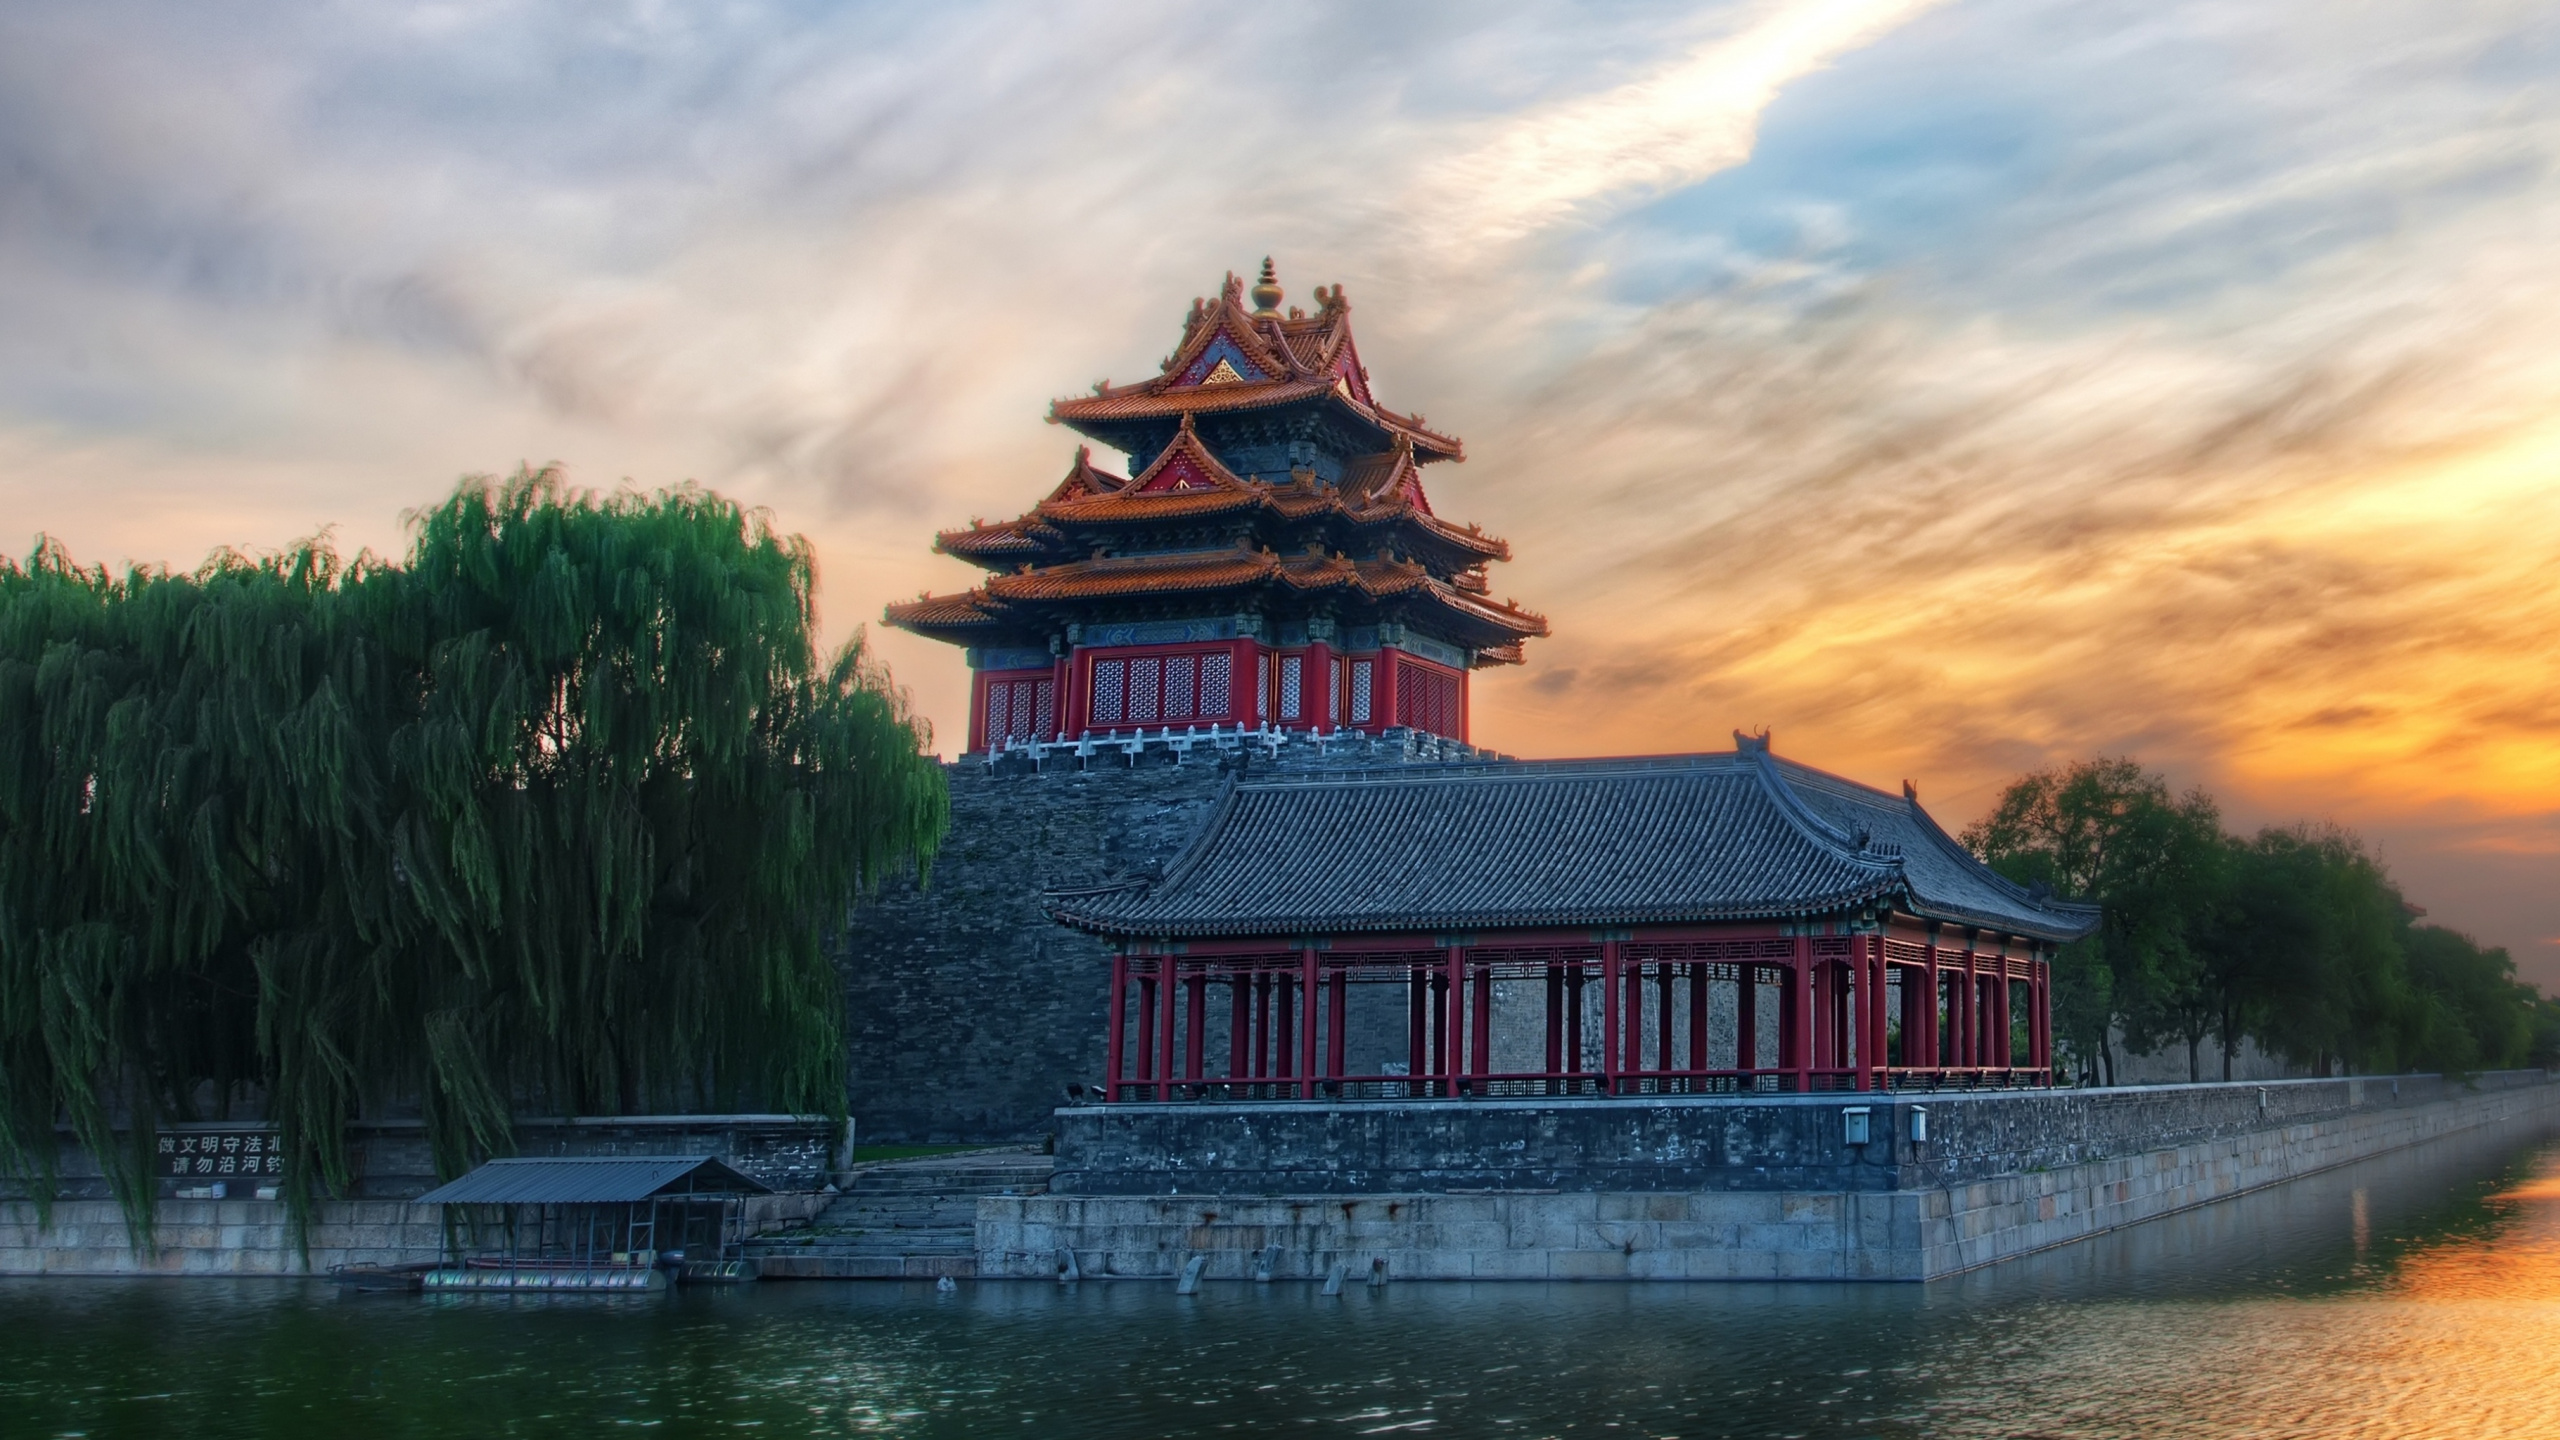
[[1312, 503], [1233, 359]]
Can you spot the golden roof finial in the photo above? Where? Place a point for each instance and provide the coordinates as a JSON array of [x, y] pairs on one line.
[[1266, 292]]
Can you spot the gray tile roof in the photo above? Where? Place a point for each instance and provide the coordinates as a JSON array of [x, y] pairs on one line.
[[1602, 843], [591, 1180]]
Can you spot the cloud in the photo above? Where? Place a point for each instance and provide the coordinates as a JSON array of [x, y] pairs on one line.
[[1954, 389], [1651, 135]]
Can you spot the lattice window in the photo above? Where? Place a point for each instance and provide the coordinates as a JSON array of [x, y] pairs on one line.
[[1426, 700], [1110, 691], [1215, 670], [1293, 671], [1261, 688], [1146, 690], [998, 713], [1363, 677], [1027, 695], [1333, 691], [1181, 686], [1044, 709]]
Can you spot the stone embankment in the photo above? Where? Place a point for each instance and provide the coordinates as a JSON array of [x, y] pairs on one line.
[[244, 1231], [1695, 1188]]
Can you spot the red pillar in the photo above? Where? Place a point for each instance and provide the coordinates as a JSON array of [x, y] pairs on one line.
[[1609, 1017], [2002, 1031], [1145, 1026], [1239, 1025], [1284, 1025], [1338, 1014], [1631, 1015], [1906, 1013], [1077, 670], [1114, 1064], [1196, 1036], [1929, 1016], [1969, 1043], [1662, 1018], [1261, 1050], [1796, 1014], [1315, 694], [1480, 1052], [1555, 1021], [1307, 1040], [1437, 993], [1573, 982], [1697, 1017], [1880, 976], [1746, 1019], [1862, 1008], [1418, 1021], [1454, 978], [1164, 1083]]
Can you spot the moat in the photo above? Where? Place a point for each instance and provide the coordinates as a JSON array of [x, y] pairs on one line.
[[2417, 1294]]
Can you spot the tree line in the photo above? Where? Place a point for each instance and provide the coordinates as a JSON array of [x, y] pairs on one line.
[[2294, 937], [558, 810]]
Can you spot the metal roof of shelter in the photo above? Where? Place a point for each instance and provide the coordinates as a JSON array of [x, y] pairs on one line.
[[592, 1180], [1735, 836]]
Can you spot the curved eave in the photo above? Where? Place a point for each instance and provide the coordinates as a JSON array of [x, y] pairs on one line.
[[1097, 416], [1508, 623], [1419, 531], [1886, 887], [1001, 547], [2032, 917], [957, 619], [1378, 923], [2059, 928], [1089, 582], [1116, 511]]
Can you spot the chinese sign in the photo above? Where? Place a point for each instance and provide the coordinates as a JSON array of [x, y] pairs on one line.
[[212, 1154]]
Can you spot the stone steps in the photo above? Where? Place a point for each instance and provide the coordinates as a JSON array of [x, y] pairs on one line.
[[901, 1219]]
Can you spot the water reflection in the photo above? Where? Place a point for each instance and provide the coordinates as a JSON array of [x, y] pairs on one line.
[[2403, 1298]]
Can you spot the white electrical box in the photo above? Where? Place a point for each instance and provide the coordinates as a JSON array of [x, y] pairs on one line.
[[1855, 1126], [1919, 1124]]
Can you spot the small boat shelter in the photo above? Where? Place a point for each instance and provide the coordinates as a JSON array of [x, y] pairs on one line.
[[618, 1222]]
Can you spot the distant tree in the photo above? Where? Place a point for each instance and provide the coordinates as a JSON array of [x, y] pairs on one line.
[[2307, 947], [2107, 830], [2295, 937], [2477, 1016], [561, 810]]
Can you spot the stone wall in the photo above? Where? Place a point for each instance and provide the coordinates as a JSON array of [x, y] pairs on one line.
[[253, 1237], [1938, 1223], [1681, 1143], [968, 1011], [390, 1159]]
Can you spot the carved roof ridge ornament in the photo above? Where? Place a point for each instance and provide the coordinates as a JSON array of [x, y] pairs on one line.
[[1085, 478], [1185, 466]]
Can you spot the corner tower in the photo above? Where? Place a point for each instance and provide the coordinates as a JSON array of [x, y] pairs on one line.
[[1272, 562]]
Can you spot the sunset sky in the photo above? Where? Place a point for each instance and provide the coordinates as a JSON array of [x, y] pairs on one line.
[[1952, 389]]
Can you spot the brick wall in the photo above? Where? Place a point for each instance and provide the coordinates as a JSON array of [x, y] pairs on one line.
[[968, 1011]]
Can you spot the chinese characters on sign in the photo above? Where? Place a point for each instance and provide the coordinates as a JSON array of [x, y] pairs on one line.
[[216, 1153]]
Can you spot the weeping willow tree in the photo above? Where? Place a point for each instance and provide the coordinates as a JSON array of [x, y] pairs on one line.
[[560, 813]]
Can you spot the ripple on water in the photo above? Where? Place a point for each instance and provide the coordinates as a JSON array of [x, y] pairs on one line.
[[2418, 1296]]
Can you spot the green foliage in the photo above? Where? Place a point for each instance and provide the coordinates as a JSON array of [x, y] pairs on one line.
[[2109, 831], [562, 811], [2295, 936]]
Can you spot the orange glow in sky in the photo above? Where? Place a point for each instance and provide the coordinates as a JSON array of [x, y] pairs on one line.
[[1951, 388]]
